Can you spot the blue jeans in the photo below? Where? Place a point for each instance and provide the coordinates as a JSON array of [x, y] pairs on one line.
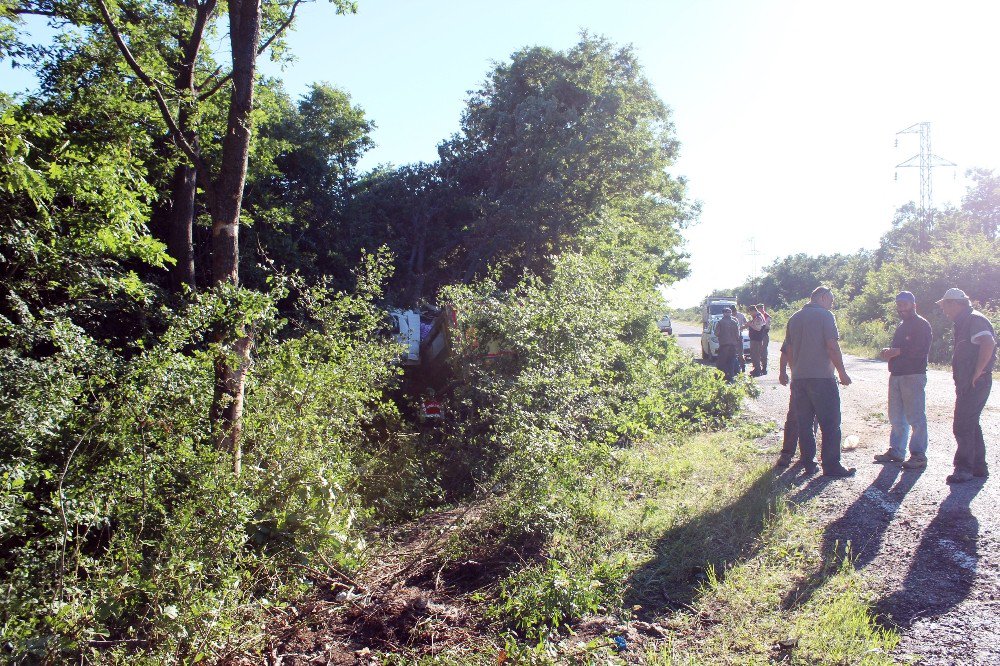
[[819, 399], [907, 414]]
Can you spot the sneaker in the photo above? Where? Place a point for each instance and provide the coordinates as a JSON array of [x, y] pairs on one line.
[[915, 462], [888, 457], [783, 461], [840, 472], [959, 476]]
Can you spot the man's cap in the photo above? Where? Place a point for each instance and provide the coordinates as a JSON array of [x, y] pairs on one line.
[[727, 310], [906, 297], [954, 294]]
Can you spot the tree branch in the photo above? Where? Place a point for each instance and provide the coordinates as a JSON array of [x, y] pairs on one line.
[[178, 136], [22, 11], [260, 51]]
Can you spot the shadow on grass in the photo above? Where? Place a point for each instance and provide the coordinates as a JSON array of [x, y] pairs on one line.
[[718, 539], [859, 532], [943, 568]]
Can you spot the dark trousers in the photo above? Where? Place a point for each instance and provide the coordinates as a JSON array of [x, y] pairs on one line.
[[727, 361], [819, 399], [971, 453], [755, 355], [790, 439]]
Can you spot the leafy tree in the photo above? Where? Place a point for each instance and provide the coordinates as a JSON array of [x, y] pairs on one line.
[[166, 36], [299, 190], [553, 145], [982, 201]]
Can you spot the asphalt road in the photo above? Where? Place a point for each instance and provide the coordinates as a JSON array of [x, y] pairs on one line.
[[931, 550]]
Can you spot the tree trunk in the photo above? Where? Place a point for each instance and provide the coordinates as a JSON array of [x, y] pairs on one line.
[[180, 241], [231, 367], [180, 237], [227, 402]]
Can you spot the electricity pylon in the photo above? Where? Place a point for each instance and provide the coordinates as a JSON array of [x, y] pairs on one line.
[[926, 161]]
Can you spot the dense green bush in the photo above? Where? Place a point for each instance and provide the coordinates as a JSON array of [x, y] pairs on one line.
[[556, 376], [123, 525]]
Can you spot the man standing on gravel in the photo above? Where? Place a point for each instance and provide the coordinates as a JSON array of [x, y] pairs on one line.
[[907, 359], [813, 350], [972, 364], [727, 331], [742, 321], [755, 329], [766, 340]]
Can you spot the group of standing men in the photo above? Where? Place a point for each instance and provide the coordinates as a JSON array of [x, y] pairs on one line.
[[812, 350], [729, 332]]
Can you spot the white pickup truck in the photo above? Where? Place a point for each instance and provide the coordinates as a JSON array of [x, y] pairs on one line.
[[711, 312], [710, 343], [424, 338]]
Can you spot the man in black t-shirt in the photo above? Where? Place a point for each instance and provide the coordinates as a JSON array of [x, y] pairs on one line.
[[907, 359], [972, 369]]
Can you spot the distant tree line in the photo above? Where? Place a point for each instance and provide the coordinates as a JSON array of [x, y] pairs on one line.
[[961, 249]]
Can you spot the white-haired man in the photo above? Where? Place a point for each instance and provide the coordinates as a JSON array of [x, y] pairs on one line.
[[972, 362]]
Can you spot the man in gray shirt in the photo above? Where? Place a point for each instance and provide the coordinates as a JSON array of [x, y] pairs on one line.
[[728, 333], [811, 342]]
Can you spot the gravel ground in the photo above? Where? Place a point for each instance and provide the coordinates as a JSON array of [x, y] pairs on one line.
[[929, 549]]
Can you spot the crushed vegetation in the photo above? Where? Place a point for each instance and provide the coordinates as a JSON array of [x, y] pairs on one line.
[[676, 552]]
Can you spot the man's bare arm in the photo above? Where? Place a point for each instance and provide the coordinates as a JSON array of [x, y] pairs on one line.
[[786, 360], [837, 358], [985, 354]]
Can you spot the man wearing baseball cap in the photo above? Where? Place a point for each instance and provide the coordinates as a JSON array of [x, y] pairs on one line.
[[907, 359], [972, 369]]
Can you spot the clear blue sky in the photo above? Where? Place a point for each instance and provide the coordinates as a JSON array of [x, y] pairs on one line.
[[787, 111]]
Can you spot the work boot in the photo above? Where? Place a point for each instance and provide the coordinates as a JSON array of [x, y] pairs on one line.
[[959, 476], [981, 473], [915, 462], [888, 457], [840, 472], [783, 461]]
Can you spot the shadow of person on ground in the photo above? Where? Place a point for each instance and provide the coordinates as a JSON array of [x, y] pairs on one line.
[[858, 533], [944, 565], [863, 525], [684, 553]]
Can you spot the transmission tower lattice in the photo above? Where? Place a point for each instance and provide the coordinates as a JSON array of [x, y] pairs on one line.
[[753, 254], [926, 161]]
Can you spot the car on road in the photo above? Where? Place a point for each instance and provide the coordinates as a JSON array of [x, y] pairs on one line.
[[665, 325], [710, 343]]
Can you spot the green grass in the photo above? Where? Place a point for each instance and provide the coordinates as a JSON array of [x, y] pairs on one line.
[[698, 533]]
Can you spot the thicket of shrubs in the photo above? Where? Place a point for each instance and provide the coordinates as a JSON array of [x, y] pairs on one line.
[[125, 535], [123, 527]]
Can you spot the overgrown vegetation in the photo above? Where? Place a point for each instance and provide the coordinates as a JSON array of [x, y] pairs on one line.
[[177, 461], [137, 524], [695, 525]]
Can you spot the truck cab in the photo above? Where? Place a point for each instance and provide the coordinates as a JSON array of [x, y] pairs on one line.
[[711, 312]]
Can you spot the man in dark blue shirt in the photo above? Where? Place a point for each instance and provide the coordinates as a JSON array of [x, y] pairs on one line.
[[975, 354], [907, 359]]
